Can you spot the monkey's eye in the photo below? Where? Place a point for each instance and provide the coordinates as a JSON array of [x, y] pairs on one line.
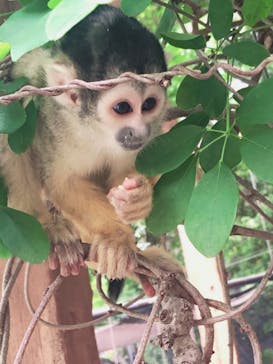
[[122, 108], [149, 104]]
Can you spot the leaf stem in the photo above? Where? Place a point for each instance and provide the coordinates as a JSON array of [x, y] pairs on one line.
[[211, 130], [212, 142]]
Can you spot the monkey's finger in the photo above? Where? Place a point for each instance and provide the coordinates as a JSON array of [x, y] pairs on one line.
[[65, 253], [70, 257], [93, 254], [75, 269], [133, 182], [146, 285], [122, 262], [137, 207], [112, 263], [131, 214], [132, 190], [53, 261], [102, 253], [117, 195], [132, 264], [64, 271]]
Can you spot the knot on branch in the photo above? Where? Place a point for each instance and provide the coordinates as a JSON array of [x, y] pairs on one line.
[[176, 321]]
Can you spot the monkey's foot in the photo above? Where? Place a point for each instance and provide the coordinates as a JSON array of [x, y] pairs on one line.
[[68, 256], [133, 199], [67, 252], [113, 259]]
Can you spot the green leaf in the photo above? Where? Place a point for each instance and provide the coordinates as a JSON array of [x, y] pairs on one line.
[[133, 7], [4, 252], [67, 14], [166, 22], [212, 210], [267, 356], [211, 94], [25, 2], [212, 154], [3, 192], [188, 93], [257, 151], [247, 52], [257, 106], [220, 15], [171, 198], [4, 49], [254, 10], [25, 28], [22, 138], [23, 235], [198, 119], [213, 97], [10, 87], [168, 151], [53, 3], [185, 41], [268, 327], [12, 117]]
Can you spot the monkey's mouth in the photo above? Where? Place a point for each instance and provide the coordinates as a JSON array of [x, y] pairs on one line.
[[132, 145]]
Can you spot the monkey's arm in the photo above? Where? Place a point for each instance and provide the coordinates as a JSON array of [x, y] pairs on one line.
[[85, 204]]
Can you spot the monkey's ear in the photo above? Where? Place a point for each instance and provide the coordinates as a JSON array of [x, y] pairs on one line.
[[58, 74]]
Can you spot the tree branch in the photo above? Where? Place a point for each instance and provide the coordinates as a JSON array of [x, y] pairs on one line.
[[115, 306], [251, 233], [176, 112], [254, 193], [180, 11], [8, 283], [248, 199], [157, 78], [147, 331]]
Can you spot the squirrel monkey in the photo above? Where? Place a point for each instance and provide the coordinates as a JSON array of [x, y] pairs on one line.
[[86, 142]]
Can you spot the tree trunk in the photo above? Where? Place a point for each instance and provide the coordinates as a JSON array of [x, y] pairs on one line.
[[71, 304], [202, 272]]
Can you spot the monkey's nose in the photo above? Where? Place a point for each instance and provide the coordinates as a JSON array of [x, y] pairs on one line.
[[130, 139]]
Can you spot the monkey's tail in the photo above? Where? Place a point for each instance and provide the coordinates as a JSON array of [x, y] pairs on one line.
[[115, 287]]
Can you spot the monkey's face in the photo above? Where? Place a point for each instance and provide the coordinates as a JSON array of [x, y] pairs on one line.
[[132, 113]]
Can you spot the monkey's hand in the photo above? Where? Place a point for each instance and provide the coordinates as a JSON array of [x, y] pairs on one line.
[[114, 254], [66, 250], [132, 199]]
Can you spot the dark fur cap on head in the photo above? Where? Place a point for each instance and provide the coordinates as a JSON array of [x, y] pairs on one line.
[[107, 43]]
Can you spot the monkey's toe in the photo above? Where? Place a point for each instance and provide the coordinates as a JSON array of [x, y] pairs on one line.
[[116, 262]]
